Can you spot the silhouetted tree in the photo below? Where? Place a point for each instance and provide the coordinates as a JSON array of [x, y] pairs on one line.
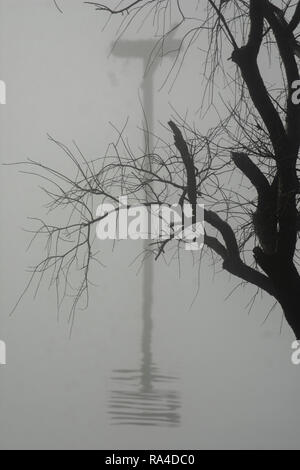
[[251, 228]]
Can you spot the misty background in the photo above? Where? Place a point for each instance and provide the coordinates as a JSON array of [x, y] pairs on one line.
[[222, 377]]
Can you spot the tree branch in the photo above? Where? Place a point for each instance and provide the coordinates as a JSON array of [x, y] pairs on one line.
[[214, 244], [101, 7], [246, 59], [236, 267], [226, 231], [296, 18], [286, 45], [253, 173], [225, 24], [242, 271], [187, 159]]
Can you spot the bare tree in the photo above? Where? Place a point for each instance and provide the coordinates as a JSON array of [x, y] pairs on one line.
[[252, 228]]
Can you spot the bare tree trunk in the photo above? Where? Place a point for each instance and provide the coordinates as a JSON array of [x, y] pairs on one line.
[[288, 292], [286, 282]]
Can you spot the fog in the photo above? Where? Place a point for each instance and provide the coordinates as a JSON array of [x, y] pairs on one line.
[[162, 357]]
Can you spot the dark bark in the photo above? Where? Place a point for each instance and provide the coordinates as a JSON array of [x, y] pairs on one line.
[[286, 281], [188, 162], [275, 221], [276, 218], [289, 297], [296, 18]]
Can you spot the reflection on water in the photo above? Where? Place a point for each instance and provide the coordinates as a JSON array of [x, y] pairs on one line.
[[143, 399], [144, 396]]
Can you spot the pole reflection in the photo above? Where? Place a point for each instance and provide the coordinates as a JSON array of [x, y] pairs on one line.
[[145, 396]]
